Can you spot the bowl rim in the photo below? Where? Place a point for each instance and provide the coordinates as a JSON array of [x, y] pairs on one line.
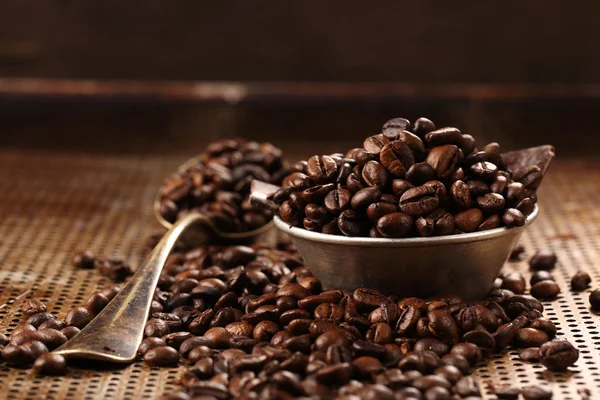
[[403, 242]]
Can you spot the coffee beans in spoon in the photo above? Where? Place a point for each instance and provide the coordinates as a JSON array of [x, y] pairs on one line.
[[409, 180], [218, 185]]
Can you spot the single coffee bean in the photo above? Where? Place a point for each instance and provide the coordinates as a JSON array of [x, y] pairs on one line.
[[70, 331], [419, 173], [467, 386], [397, 157], [469, 351], [423, 126], [543, 259], [558, 354], [531, 337], [444, 160], [337, 201], [491, 203], [350, 223], [481, 338], [545, 325], [468, 220], [536, 393], [50, 364], [514, 282], [438, 347], [530, 354], [492, 222], [163, 356], [545, 290], [31, 307], [38, 319], [150, 343], [375, 174], [395, 225], [425, 226], [525, 206], [52, 338], [96, 303], [443, 136], [486, 171], [53, 324], [419, 201], [379, 209], [365, 197], [375, 143], [580, 281], [477, 188], [399, 186], [442, 325], [313, 194], [513, 217], [334, 374], [461, 194], [499, 185], [595, 300], [18, 356], [392, 126], [321, 169]]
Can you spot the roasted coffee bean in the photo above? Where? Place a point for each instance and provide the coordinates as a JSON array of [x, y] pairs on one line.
[[50, 364], [545, 290], [513, 217], [443, 160], [321, 169], [18, 356], [438, 347], [530, 176], [499, 185], [399, 186], [443, 136], [595, 300], [419, 173], [375, 174], [468, 220], [505, 334], [490, 203], [375, 144], [531, 337], [477, 188], [39, 318], [70, 331], [264, 330], [580, 281], [558, 354], [337, 200], [514, 282], [492, 222], [483, 339], [163, 356], [397, 157], [419, 201], [536, 393], [525, 206], [337, 374], [394, 225], [545, 325], [85, 259], [51, 338], [543, 260], [350, 223], [426, 382], [442, 325], [461, 194], [456, 360], [486, 171], [366, 367], [53, 324], [379, 333], [150, 343], [314, 194], [407, 321], [31, 307], [469, 351], [539, 276], [423, 126], [219, 337]]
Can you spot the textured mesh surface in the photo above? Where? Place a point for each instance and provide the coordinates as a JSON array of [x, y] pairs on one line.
[[54, 204]]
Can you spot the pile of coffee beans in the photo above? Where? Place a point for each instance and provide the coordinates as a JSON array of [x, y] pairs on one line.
[[218, 185], [114, 268], [252, 322], [409, 180]]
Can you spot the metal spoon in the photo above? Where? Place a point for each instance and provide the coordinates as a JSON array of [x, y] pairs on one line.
[[117, 331]]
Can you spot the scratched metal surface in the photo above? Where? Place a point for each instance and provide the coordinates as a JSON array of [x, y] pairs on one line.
[[52, 204]]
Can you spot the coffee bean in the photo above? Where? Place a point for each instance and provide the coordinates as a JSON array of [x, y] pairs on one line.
[[39, 318], [536, 393], [595, 300], [18, 356], [50, 364], [558, 354], [467, 386], [514, 282], [321, 169], [350, 223], [438, 347], [150, 343], [580, 281], [531, 337], [469, 351], [397, 157], [468, 220], [331, 337], [477, 188], [31, 307], [334, 374], [491, 203], [456, 360], [375, 143], [539, 276], [70, 331], [443, 160], [163, 356], [481, 338], [461, 194], [52, 338], [337, 201], [492, 222], [486, 171], [396, 124], [513, 217], [530, 176], [530, 354], [419, 173], [442, 325], [419, 201], [395, 225], [545, 290], [443, 136], [375, 174], [543, 260]]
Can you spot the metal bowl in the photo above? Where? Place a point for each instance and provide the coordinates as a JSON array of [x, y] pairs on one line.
[[465, 265]]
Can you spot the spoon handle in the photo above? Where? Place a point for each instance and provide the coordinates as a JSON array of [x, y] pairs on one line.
[[117, 331]]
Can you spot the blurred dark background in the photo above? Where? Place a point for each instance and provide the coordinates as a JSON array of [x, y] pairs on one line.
[[165, 77]]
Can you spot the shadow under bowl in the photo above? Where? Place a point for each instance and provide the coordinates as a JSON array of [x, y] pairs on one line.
[[465, 265]]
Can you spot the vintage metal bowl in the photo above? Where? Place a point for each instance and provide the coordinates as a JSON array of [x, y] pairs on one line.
[[465, 265]]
